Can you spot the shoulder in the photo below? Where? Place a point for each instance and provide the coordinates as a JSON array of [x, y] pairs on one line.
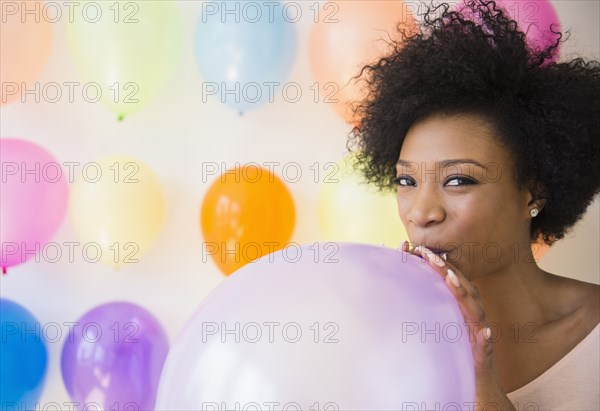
[[590, 296], [582, 299]]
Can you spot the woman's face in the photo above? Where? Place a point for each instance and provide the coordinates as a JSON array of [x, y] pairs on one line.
[[457, 194]]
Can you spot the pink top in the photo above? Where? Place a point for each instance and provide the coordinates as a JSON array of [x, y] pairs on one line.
[[573, 383]]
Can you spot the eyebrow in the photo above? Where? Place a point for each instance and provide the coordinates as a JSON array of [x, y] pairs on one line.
[[446, 163]]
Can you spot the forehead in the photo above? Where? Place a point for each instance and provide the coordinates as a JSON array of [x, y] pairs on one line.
[[440, 137]]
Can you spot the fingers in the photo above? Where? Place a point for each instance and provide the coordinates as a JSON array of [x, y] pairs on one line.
[[467, 296], [404, 246], [463, 290]]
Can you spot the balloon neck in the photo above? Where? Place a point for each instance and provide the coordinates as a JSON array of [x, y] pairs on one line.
[[3, 270], [121, 117], [241, 113]]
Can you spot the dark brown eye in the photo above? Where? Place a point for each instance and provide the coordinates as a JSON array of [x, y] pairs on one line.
[[456, 181], [403, 181]]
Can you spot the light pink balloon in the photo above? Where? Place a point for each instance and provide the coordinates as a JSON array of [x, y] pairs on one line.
[[33, 200]]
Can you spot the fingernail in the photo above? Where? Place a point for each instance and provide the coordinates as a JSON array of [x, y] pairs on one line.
[[423, 250], [487, 333], [453, 278], [437, 260], [401, 248], [431, 256]]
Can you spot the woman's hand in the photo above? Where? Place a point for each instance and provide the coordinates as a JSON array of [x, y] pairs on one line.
[[489, 394]]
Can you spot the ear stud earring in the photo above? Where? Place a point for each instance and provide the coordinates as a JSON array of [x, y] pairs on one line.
[[534, 211]]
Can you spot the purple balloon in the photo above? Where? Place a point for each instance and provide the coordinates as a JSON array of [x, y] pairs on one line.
[[113, 358], [329, 326]]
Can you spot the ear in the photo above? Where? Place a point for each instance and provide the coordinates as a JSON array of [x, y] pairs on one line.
[[536, 196]]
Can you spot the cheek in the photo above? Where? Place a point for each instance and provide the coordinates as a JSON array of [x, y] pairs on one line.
[[403, 204], [483, 221], [472, 219]]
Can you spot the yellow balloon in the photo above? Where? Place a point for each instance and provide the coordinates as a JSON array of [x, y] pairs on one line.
[[117, 207], [126, 51], [350, 210]]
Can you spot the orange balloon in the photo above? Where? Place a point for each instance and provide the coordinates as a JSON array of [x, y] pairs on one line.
[[347, 36], [25, 46], [539, 249], [247, 213]]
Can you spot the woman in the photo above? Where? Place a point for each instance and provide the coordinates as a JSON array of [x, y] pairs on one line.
[[490, 146]]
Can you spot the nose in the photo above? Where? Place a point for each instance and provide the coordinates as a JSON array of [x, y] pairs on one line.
[[425, 209]]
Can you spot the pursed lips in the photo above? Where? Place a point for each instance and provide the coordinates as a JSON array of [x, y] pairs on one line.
[[438, 250]]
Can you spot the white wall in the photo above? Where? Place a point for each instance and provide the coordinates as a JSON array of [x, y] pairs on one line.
[[174, 135]]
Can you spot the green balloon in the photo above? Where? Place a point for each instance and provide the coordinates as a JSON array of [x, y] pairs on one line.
[[125, 51]]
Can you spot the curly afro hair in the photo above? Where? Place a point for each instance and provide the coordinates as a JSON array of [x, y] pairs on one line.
[[475, 60]]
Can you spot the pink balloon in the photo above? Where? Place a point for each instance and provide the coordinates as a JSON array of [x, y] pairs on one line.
[[344, 326], [33, 200], [533, 17]]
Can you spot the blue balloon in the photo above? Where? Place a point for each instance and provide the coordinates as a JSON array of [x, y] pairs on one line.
[[245, 50], [23, 357]]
